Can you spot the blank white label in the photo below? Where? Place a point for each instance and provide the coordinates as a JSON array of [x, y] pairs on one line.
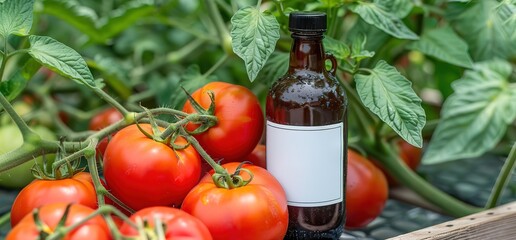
[[308, 162]]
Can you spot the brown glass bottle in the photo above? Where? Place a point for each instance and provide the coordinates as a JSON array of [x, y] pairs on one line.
[[308, 96]]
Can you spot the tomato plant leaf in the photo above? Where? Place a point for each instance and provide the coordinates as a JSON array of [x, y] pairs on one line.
[[254, 35], [14, 85], [400, 8], [338, 49], [125, 16], [376, 38], [377, 15], [389, 95], [444, 44], [275, 67], [114, 72], [61, 59], [358, 51], [330, 3], [475, 117], [15, 17], [169, 91], [72, 12], [487, 29]]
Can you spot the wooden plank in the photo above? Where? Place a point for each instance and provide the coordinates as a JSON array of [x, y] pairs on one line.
[[497, 223]]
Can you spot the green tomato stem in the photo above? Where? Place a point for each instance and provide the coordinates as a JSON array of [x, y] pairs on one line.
[[193, 117], [332, 15], [36, 146], [366, 118], [17, 119], [102, 210], [4, 59], [101, 191], [225, 6], [110, 100], [19, 156], [216, 167], [215, 16], [503, 178], [407, 177], [5, 218], [77, 154], [216, 66]]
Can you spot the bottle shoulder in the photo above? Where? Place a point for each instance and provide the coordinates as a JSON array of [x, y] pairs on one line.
[[308, 86]]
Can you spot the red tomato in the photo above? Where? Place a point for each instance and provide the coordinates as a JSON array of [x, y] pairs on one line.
[[78, 189], [95, 228], [255, 211], [142, 172], [105, 118], [102, 120], [178, 224], [366, 191], [411, 155], [257, 156], [240, 121]]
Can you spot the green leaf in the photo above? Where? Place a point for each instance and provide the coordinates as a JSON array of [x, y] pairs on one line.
[[71, 11], [484, 27], [378, 16], [254, 35], [17, 82], [114, 72], [15, 17], [507, 12], [358, 51], [444, 44], [475, 117], [275, 68], [400, 8], [389, 95], [337, 48], [376, 38], [169, 91], [61, 59], [331, 3], [125, 16]]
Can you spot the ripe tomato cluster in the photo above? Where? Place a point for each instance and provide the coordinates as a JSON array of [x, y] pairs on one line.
[[160, 179], [168, 185]]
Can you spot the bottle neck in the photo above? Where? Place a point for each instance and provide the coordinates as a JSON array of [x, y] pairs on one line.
[[307, 52]]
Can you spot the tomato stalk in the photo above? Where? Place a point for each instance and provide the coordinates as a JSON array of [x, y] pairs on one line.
[[105, 211], [4, 59], [110, 100], [35, 146], [503, 178], [207, 119], [171, 57], [17, 119], [365, 117], [221, 178], [452, 206], [220, 26], [5, 218]]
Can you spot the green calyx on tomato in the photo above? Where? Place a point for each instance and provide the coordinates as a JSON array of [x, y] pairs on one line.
[[11, 138], [240, 120], [78, 189], [171, 223], [256, 211], [142, 172], [53, 220]]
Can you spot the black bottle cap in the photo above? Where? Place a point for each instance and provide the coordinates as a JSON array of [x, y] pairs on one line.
[[307, 22]]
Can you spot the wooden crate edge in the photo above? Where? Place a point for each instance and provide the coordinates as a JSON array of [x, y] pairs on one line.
[[496, 223]]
